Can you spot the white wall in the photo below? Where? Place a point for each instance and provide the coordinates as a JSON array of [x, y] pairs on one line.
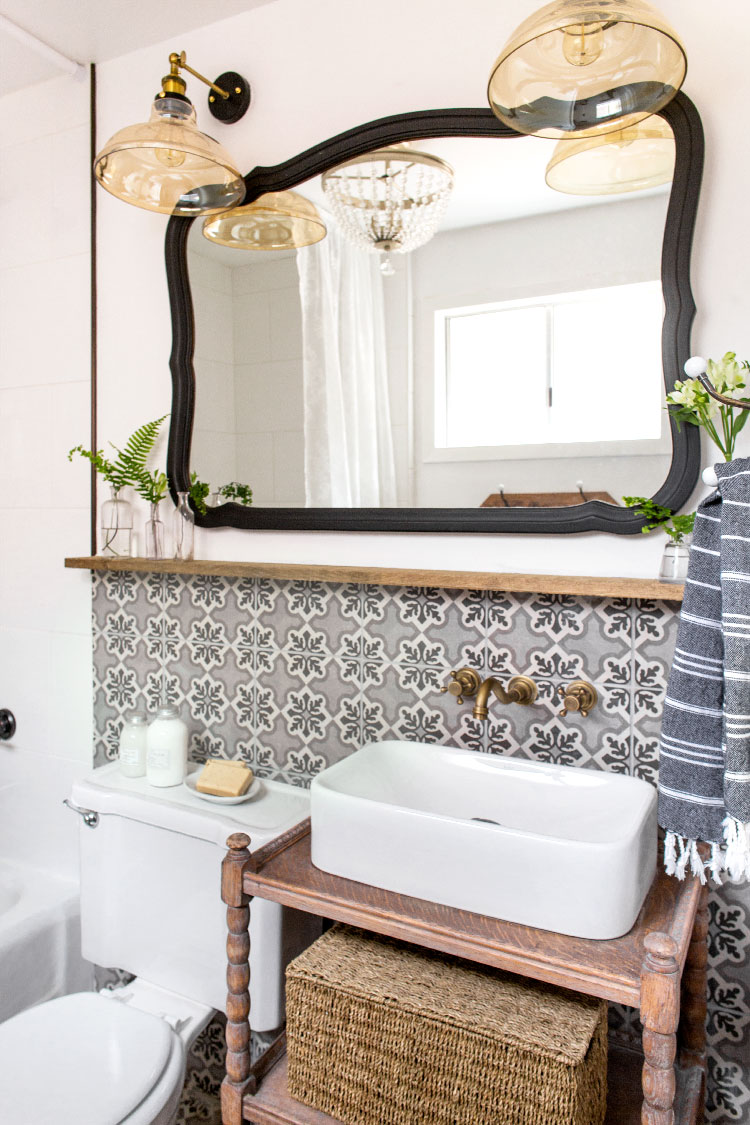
[[268, 387], [45, 636], [318, 69]]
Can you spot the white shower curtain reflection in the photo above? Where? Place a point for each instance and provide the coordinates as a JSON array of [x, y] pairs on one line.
[[349, 460]]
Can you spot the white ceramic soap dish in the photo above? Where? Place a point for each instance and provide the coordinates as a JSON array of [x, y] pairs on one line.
[[191, 781]]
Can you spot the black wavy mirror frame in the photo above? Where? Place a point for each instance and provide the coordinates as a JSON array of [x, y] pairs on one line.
[[593, 515]]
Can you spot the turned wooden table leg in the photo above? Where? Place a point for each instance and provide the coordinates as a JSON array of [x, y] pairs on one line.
[[692, 1030], [660, 1013], [238, 1080]]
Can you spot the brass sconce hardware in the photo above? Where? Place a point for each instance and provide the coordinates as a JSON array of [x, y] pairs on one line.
[[464, 683], [580, 695], [167, 164], [520, 690]]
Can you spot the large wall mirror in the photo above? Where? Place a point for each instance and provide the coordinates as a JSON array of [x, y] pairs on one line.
[[507, 375]]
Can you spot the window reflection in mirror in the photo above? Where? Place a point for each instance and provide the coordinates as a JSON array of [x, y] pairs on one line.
[[322, 382]]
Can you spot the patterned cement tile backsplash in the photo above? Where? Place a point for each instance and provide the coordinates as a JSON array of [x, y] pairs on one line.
[[293, 676]]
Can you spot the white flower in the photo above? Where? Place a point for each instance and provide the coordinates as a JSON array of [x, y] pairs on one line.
[[691, 395], [726, 374]]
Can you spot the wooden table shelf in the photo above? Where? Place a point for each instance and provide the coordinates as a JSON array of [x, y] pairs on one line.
[[578, 585], [659, 967]]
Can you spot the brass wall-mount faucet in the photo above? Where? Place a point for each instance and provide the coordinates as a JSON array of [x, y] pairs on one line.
[[467, 682]]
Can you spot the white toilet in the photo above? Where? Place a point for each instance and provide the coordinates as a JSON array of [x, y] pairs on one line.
[[150, 904]]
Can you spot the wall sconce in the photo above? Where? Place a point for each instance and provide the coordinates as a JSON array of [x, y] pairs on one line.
[[583, 67], [166, 164], [632, 159], [278, 220]]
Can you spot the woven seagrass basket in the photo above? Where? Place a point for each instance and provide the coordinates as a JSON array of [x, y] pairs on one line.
[[382, 1033]]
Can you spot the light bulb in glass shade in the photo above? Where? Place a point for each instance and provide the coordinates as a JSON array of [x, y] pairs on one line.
[[170, 157], [582, 43], [166, 164], [586, 67]]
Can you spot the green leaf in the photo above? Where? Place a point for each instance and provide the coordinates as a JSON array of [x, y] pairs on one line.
[[132, 460], [242, 493], [199, 490]]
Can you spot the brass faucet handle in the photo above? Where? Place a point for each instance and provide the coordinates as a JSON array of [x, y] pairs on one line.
[[580, 695], [464, 682], [523, 690]]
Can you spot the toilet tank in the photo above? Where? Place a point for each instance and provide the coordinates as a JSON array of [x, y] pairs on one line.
[[151, 888]]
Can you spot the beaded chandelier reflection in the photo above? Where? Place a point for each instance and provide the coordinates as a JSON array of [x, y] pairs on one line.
[[278, 220], [166, 164], [632, 159], [390, 200], [583, 67]]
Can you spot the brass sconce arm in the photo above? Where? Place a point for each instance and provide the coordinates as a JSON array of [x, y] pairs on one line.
[[177, 63]]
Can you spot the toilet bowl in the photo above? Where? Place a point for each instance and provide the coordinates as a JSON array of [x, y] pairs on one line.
[[150, 904]]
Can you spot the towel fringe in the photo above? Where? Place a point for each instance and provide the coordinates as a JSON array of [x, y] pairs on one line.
[[732, 856], [737, 849]]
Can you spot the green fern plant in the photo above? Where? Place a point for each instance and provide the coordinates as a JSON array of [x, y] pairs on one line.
[[676, 527], [129, 466], [199, 490], [242, 493], [135, 455]]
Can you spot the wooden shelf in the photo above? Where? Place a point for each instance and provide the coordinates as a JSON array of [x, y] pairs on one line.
[[273, 1105], [608, 969], [657, 967], [582, 585]]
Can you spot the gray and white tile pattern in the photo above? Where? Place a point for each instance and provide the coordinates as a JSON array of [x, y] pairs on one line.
[[293, 676]]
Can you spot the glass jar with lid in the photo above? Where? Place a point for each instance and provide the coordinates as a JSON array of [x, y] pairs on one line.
[[132, 747], [166, 754]]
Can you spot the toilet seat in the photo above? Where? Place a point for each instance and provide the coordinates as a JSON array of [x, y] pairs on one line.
[[87, 1059]]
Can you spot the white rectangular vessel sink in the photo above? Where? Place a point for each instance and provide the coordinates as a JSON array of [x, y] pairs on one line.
[[558, 847]]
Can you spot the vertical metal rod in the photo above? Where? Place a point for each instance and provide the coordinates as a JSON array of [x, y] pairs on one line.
[[92, 296]]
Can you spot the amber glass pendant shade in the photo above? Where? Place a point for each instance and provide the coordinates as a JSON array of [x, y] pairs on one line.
[[584, 67], [632, 159], [167, 165], [278, 220]]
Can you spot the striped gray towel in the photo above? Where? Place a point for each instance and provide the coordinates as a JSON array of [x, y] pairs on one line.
[[704, 769]]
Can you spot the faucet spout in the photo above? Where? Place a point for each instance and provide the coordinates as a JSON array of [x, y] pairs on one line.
[[520, 690]]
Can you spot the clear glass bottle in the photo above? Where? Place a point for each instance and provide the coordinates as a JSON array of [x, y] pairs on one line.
[[154, 531], [166, 753], [117, 525], [133, 744], [184, 527], [674, 562]]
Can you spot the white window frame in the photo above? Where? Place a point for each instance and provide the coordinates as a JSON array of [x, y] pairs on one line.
[[434, 452]]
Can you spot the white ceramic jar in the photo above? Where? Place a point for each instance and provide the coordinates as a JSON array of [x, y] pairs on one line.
[[133, 744], [166, 756]]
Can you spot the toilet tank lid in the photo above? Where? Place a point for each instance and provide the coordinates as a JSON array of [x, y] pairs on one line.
[[98, 1060], [276, 808]]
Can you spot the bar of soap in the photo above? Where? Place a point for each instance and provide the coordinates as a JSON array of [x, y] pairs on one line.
[[224, 779]]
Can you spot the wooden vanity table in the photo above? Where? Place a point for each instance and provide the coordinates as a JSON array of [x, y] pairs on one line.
[[659, 968]]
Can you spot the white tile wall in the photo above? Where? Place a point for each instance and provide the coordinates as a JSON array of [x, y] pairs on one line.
[[45, 646]]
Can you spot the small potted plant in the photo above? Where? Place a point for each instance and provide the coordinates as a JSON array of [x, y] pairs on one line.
[[676, 553]]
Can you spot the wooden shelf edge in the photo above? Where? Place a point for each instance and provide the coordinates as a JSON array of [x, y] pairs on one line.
[[273, 1105], [484, 952], [582, 585]]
